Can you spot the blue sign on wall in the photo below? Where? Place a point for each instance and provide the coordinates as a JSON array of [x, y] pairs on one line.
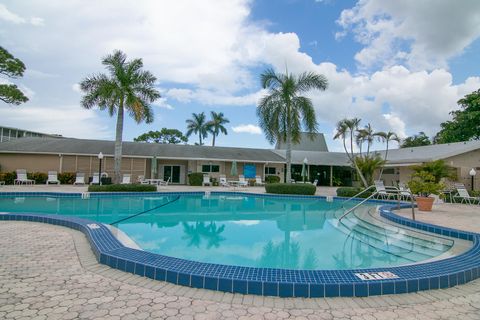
[[249, 171]]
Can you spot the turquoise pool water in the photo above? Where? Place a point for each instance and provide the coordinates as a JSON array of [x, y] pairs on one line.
[[248, 230]]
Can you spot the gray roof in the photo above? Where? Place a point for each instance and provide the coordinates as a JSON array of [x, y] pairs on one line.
[[138, 149], [430, 153], [306, 144], [318, 158]]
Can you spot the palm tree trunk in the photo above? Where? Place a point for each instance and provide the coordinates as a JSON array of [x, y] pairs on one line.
[[118, 145], [200, 137], [213, 141]]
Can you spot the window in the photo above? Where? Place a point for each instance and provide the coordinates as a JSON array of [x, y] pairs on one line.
[[270, 170], [389, 171], [249, 171], [210, 168]]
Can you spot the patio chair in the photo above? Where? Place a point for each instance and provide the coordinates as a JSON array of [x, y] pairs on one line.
[[22, 177], [315, 182], [382, 191], [95, 178], [405, 192], [52, 177], [206, 180], [141, 180], [164, 183], [80, 178], [126, 179], [463, 194], [258, 181], [223, 181], [242, 182]]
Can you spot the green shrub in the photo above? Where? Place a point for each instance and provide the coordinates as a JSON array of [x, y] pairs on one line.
[[38, 177], [122, 188], [272, 179], [349, 192], [66, 177], [8, 177], [291, 188], [195, 179]]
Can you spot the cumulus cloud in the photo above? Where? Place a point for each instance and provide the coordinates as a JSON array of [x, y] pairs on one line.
[[419, 34], [210, 52], [57, 120], [247, 128]]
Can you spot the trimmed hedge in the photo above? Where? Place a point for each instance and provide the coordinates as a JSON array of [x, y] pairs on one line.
[[291, 188], [123, 188], [67, 177], [349, 192], [272, 179], [195, 179], [8, 177]]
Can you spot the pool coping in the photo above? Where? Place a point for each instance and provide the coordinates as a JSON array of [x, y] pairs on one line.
[[110, 251]]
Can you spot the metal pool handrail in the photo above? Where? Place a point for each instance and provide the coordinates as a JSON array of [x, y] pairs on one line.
[[388, 190]]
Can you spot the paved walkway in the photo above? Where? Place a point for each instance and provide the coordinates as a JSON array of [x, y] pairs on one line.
[[454, 215], [49, 272]]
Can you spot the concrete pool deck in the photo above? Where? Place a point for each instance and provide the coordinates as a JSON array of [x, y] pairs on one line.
[[50, 272]]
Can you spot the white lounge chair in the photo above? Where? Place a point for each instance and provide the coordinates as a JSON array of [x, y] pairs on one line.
[[258, 181], [382, 191], [79, 178], [223, 181], [463, 194], [405, 192], [315, 182], [95, 178], [52, 177], [22, 177], [206, 180], [164, 183], [242, 182], [126, 179]]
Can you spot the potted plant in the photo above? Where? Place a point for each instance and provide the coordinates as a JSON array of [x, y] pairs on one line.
[[423, 184]]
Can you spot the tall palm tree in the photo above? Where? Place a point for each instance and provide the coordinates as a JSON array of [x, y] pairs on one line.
[[215, 126], [348, 127], [386, 137], [197, 125], [283, 111], [125, 87]]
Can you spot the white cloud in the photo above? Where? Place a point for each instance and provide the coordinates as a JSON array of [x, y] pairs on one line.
[[69, 121], [247, 128], [9, 16], [76, 87], [207, 51], [162, 103], [431, 31]]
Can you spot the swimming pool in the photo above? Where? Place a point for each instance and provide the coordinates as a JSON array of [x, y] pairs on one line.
[[249, 231], [259, 244]]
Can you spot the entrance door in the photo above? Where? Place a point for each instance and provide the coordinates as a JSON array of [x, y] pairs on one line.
[[172, 172]]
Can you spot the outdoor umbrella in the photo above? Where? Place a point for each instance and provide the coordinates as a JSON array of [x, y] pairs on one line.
[[154, 167], [304, 169], [234, 171]]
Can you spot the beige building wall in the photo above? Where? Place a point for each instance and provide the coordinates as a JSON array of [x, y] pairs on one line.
[[465, 162], [29, 162]]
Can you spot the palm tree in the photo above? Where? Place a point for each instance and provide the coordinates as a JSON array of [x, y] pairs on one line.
[[197, 125], [344, 128], [386, 137], [366, 134], [126, 86], [215, 126], [283, 111]]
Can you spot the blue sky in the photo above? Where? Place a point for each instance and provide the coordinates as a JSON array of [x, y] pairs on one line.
[[397, 65]]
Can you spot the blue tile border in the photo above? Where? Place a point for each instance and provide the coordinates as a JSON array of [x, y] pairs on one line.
[[269, 282]]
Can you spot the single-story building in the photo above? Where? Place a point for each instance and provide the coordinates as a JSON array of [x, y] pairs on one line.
[[177, 161]]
